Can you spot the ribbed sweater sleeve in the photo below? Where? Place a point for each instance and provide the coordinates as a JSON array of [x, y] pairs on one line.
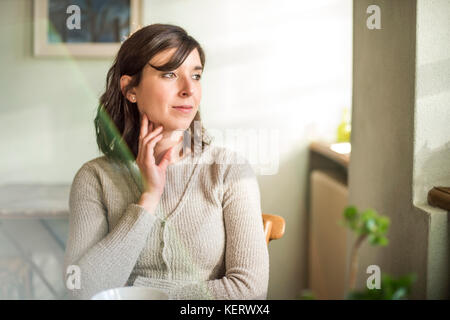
[[246, 256], [105, 257]]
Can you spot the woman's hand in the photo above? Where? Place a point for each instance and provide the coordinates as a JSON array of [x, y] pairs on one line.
[[154, 176]]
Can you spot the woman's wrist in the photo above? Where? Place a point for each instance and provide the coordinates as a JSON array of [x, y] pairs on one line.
[[149, 201]]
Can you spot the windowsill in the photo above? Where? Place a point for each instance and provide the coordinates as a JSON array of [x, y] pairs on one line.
[[430, 209]]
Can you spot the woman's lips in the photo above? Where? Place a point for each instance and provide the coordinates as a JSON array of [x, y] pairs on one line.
[[184, 109]]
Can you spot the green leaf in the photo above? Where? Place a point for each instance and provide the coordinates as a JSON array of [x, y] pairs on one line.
[[406, 280], [370, 225], [383, 241], [376, 240], [399, 294], [383, 224], [350, 213], [368, 214]]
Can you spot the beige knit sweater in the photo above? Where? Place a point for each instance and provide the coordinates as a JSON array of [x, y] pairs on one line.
[[205, 240]]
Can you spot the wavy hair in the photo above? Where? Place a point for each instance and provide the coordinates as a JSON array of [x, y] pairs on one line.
[[117, 122]]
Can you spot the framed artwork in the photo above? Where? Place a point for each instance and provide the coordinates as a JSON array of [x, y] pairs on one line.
[[83, 28]]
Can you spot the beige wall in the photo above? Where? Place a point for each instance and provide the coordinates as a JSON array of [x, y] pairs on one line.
[[432, 113], [383, 144], [432, 132]]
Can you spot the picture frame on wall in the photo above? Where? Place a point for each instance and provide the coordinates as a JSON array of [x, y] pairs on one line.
[[83, 28]]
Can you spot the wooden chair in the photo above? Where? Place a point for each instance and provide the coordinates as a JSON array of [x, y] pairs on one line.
[[273, 226]]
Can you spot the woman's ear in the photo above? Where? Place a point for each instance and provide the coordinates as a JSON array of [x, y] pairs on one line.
[[130, 94]]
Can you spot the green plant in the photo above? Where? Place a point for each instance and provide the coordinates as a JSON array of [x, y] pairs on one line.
[[373, 227], [391, 289], [367, 225], [306, 294]]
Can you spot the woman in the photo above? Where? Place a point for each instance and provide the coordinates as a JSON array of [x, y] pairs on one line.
[[164, 208]]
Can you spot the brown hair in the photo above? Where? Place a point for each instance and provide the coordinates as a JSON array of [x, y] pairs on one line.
[[117, 122]]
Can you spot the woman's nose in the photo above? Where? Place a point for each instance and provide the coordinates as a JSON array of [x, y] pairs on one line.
[[187, 88]]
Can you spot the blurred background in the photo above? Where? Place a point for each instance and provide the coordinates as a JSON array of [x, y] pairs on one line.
[[310, 71]]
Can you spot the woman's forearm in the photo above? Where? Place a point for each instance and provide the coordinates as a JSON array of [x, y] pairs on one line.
[[109, 262], [149, 201]]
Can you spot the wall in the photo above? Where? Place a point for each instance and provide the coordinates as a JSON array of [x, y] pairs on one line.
[[384, 140], [272, 64], [47, 110], [432, 132]]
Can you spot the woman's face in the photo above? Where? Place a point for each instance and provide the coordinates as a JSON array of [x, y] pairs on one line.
[[159, 92]]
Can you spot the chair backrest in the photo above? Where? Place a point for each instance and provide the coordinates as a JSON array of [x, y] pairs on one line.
[[273, 226]]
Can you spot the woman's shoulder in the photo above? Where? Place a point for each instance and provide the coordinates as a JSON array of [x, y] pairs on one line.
[[97, 162], [230, 162], [100, 165], [228, 157], [235, 171]]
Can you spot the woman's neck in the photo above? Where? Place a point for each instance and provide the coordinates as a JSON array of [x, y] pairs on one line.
[[170, 139]]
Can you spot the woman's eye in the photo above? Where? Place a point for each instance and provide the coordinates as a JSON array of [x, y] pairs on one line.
[[171, 75], [168, 73]]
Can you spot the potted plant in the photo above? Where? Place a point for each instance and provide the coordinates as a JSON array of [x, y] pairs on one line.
[[369, 225]]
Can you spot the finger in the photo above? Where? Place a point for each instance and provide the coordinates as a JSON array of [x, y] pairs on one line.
[[150, 126], [142, 133], [166, 159], [151, 144], [144, 126], [151, 135], [149, 148]]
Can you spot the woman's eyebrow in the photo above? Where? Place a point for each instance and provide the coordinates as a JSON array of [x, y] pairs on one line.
[[195, 68]]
